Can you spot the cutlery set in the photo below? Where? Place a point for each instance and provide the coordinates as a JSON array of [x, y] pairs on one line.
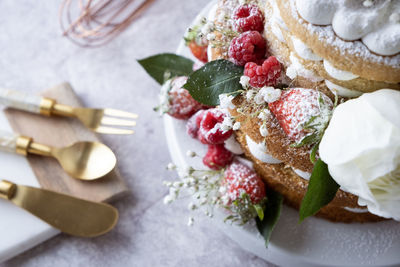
[[82, 160]]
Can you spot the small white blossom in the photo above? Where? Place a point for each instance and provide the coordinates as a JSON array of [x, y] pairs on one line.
[[395, 18], [207, 28], [264, 114], [168, 199], [250, 94], [263, 131], [270, 94], [222, 190], [227, 124], [225, 101], [190, 221], [187, 171], [173, 192], [368, 3], [211, 37], [171, 166], [177, 184], [205, 177], [244, 81], [225, 199], [203, 201], [191, 154], [221, 16], [236, 126], [259, 98], [192, 206]]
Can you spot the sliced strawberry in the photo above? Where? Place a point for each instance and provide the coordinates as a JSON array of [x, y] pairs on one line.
[[240, 179], [296, 107], [199, 51]]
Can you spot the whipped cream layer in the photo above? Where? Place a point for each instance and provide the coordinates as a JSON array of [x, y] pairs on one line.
[[260, 151], [375, 24]]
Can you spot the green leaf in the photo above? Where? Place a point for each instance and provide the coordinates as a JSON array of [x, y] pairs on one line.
[[214, 78], [321, 190], [272, 212], [166, 66]]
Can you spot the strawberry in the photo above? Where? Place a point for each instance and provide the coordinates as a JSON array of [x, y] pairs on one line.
[[199, 51], [217, 157], [302, 112], [240, 179], [181, 104]]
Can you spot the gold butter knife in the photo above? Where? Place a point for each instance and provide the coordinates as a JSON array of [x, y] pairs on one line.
[[70, 215]]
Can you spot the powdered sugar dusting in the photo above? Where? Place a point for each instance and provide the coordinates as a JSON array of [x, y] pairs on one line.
[[295, 108], [357, 48]]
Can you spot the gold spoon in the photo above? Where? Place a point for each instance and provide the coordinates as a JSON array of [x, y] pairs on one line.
[[82, 160]]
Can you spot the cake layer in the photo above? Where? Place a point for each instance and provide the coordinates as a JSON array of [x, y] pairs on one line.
[[282, 179], [350, 56]]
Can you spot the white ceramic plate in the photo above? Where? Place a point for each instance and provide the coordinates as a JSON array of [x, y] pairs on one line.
[[19, 229], [315, 242]]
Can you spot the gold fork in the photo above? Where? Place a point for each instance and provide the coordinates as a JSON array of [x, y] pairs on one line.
[[104, 121]]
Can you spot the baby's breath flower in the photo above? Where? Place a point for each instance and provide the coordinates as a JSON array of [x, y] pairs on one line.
[[211, 37], [259, 98], [168, 199], [171, 166], [169, 184], [244, 81], [177, 184], [270, 94], [227, 124], [192, 206], [173, 192], [191, 154], [190, 221], [207, 28], [203, 201], [368, 3], [264, 114], [250, 94], [225, 101], [236, 126]]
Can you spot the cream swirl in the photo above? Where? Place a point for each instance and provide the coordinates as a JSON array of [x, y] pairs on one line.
[[351, 20]]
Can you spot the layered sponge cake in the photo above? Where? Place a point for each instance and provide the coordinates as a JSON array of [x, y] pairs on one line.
[[335, 48]]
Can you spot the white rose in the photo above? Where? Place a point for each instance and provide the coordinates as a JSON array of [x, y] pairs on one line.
[[362, 149]]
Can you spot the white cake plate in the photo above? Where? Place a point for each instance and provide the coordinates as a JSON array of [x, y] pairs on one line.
[[315, 242], [20, 230]]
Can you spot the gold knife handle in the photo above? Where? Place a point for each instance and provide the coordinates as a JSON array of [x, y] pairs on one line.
[[7, 189]]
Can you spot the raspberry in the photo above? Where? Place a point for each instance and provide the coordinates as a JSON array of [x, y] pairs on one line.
[[181, 103], [295, 107], [210, 131], [199, 51], [265, 74], [241, 179], [247, 47], [217, 157], [193, 124], [248, 18]]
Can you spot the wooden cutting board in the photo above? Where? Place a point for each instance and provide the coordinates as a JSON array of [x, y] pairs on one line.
[[61, 131]]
